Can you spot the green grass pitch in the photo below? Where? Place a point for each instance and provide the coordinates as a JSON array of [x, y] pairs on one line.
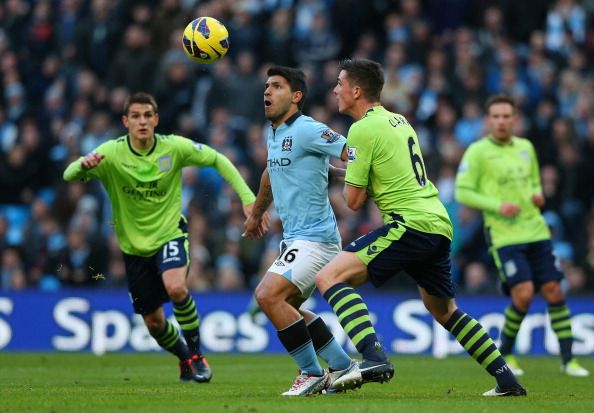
[[131, 382]]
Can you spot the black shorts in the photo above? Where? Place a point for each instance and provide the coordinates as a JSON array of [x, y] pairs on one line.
[[393, 248], [145, 274], [533, 261]]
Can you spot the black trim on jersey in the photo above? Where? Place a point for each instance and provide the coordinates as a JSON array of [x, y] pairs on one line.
[[355, 185], [370, 110], [293, 118], [139, 154], [495, 142]]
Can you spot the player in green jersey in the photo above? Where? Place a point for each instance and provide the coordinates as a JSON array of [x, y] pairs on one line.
[[141, 172], [386, 165], [499, 175]]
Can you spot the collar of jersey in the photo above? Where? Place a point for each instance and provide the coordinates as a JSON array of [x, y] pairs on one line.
[[138, 153], [371, 109], [293, 118], [494, 141]]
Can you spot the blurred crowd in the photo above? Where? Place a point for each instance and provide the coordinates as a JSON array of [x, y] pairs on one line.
[[66, 67]]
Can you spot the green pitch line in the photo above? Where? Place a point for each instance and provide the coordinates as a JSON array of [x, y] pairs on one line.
[[132, 382]]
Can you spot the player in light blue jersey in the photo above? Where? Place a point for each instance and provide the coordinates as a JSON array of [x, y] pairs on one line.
[[296, 177]]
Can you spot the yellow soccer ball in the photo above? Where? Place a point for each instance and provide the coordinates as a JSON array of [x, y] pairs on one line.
[[205, 40]]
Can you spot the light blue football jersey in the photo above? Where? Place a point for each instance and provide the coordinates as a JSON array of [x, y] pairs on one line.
[[299, 152]]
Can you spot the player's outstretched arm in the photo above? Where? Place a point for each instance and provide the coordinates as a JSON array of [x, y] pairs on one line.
[[258, 221], [474, 199], [77, 169]]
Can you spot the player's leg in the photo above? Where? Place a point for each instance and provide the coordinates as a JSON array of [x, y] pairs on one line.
[[172, 261], [147, 293], [475, 340], [280, 292], [335, 282], [521, 298], [516, 275], [272, 295], [312, 258], [432, 271], [548, 277], [326, 346], [168, 338]]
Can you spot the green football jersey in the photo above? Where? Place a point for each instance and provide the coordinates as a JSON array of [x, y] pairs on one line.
[[384, 156], [145, 188], [491, 173]]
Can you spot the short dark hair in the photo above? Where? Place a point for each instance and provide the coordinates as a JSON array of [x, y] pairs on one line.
[[500, 98], [140, 97], [294, 77], [366, 74]]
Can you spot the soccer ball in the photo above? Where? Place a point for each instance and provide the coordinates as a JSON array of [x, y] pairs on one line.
[[205, 40]]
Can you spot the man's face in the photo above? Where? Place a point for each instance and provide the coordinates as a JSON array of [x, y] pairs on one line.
[[344, 93], [501, 120], [141, 120], [278, 98]]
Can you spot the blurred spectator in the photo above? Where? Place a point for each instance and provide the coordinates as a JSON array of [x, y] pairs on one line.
[[134, 62], [279, 40], [176, 92], [168, 16], [12, 271], [97, 37], [566, 25]]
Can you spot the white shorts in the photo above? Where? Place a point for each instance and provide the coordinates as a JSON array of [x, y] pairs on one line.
[[300, 261]]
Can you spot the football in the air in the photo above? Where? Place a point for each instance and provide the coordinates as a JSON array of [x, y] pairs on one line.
[[205, 40]]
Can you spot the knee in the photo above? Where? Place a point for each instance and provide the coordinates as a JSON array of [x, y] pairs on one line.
[[552, 292], [441, 311], [177, 292], [522, 297], [325, 280], [265, 297], [154, 324]]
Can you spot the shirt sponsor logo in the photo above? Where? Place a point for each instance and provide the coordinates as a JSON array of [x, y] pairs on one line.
[[330, 136], [144, 191], [351, 154], [165, 163], [287, 144], [278, 162], [128, 166]]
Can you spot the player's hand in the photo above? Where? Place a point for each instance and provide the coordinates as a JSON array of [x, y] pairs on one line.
[[91, 160], [538, 200], [509, 209], [256, 228]]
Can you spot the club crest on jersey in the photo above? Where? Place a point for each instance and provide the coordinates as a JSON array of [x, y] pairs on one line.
[[287, 144], [165, 163], [525, 155], [351, 154], [197, 146], [330, 136]]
